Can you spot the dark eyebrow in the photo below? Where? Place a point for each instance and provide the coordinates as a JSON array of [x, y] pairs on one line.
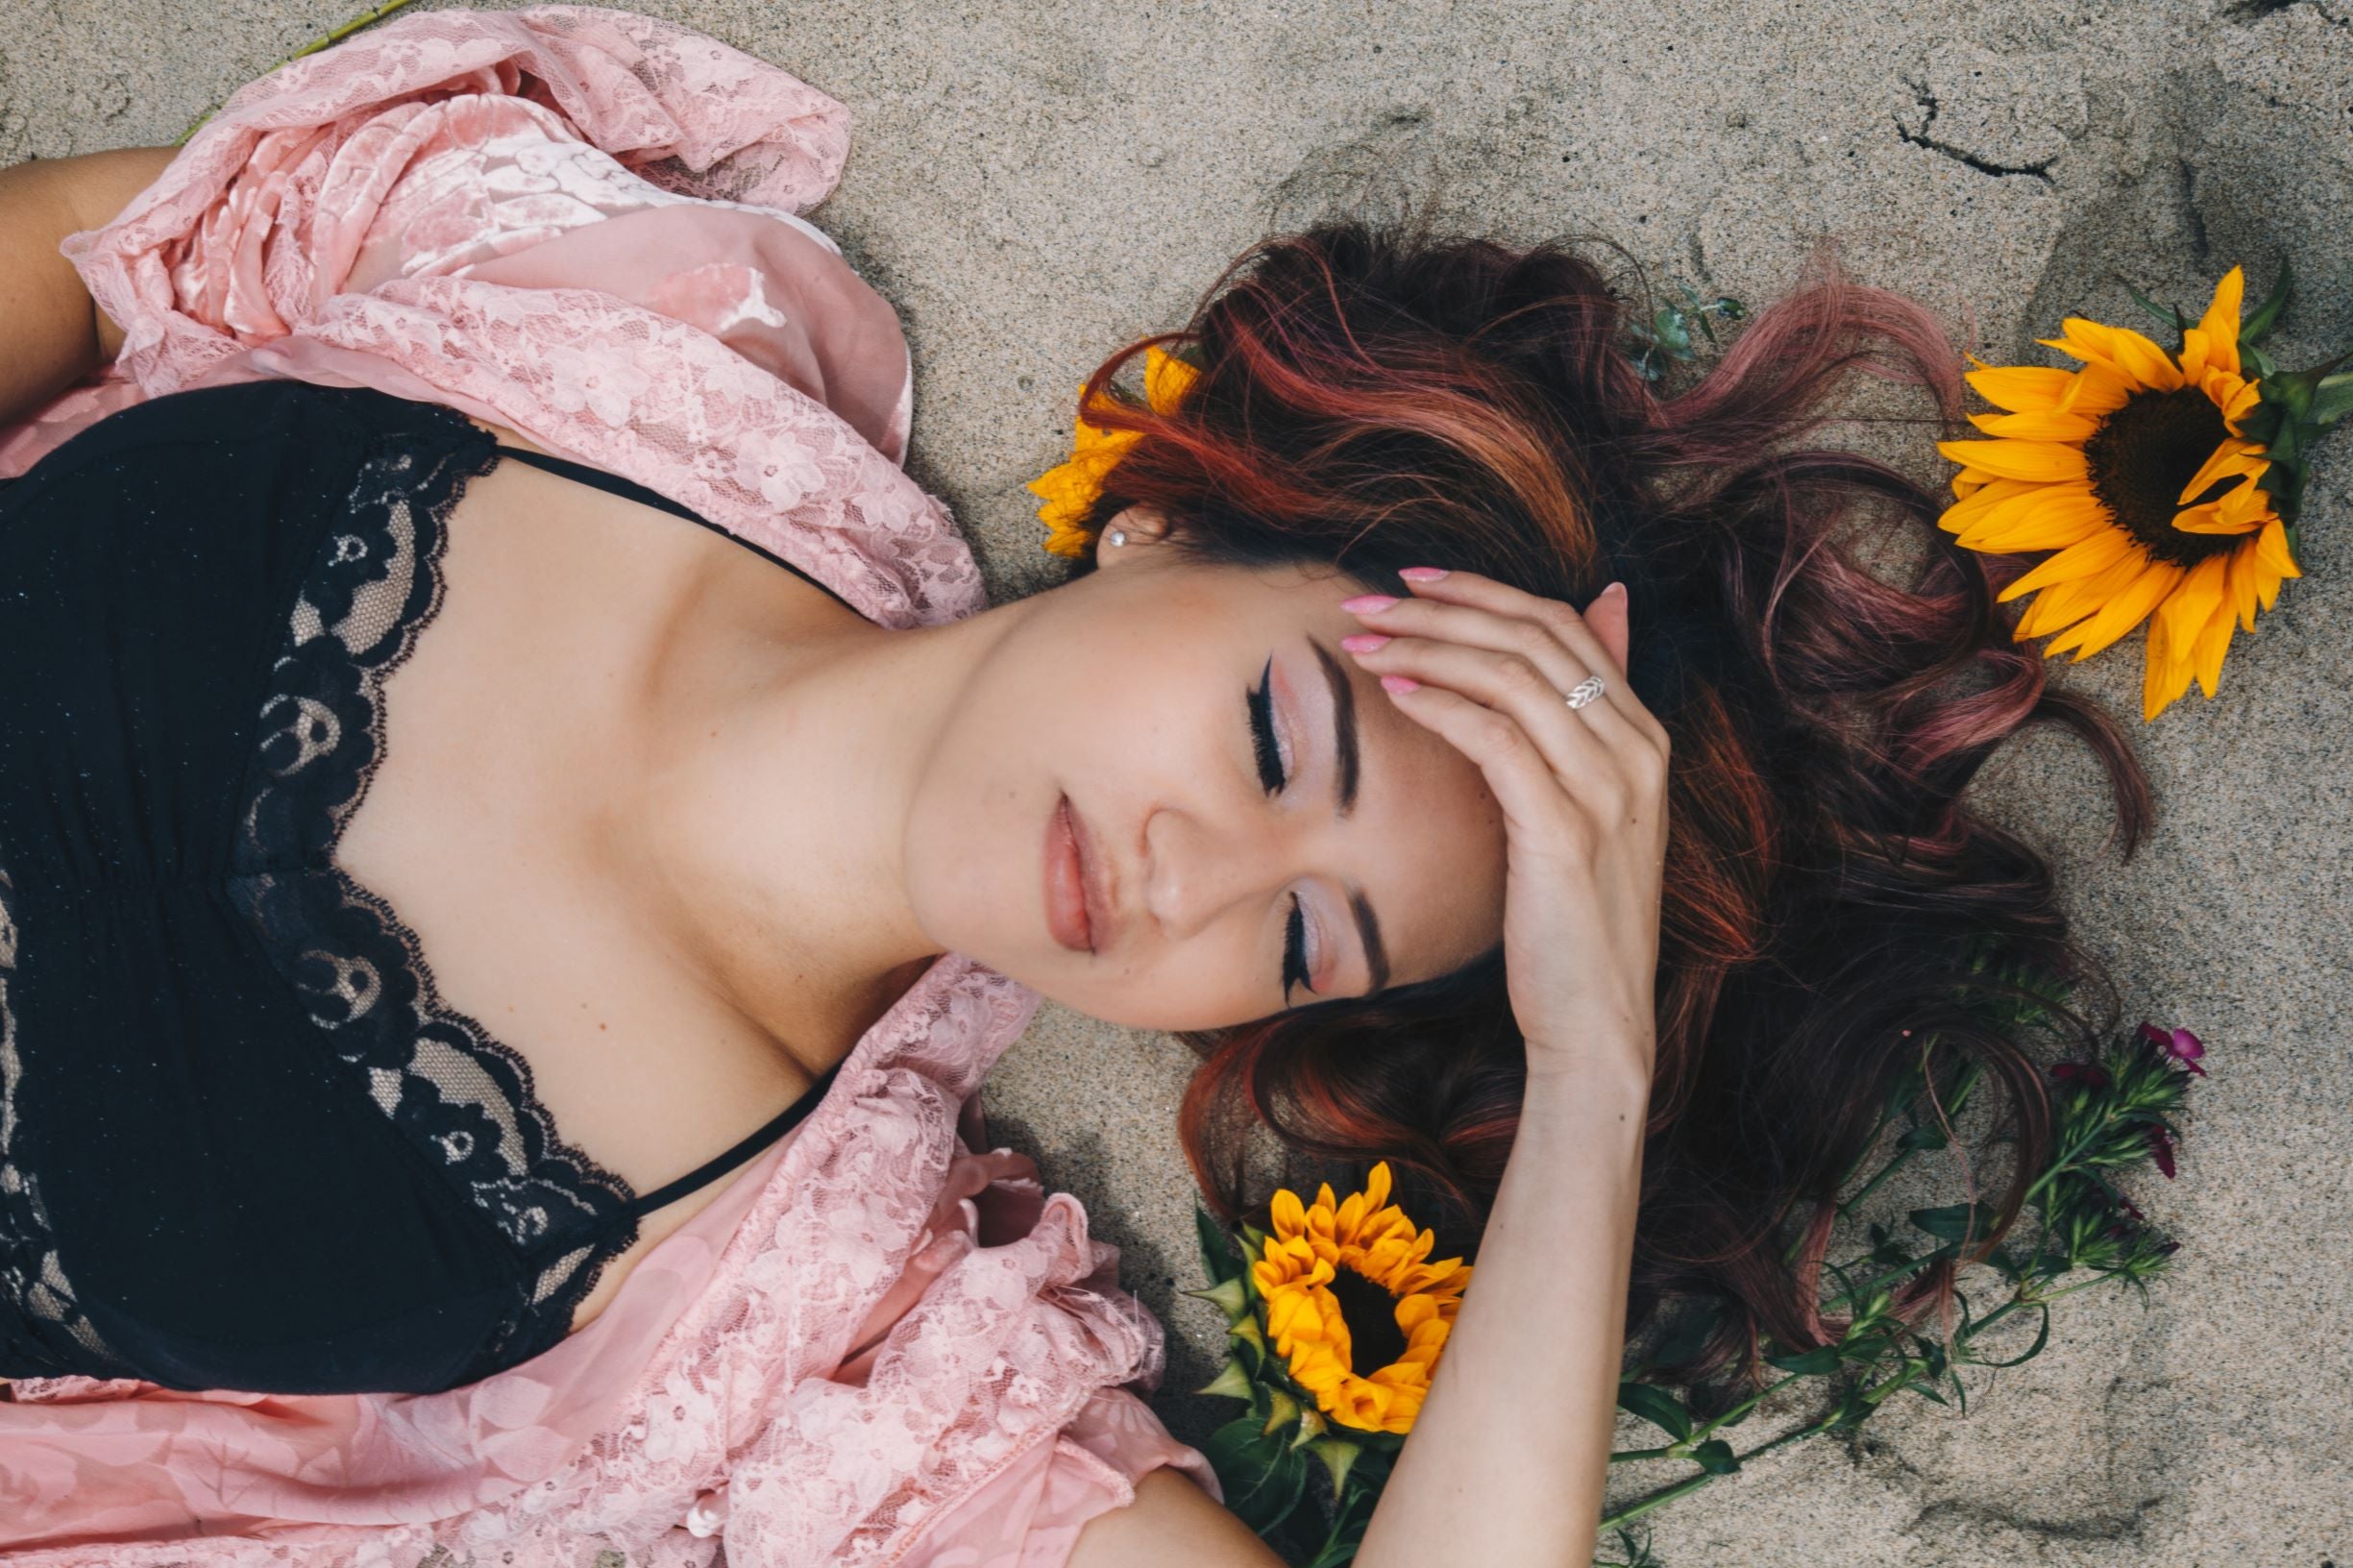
[[1344, 796]]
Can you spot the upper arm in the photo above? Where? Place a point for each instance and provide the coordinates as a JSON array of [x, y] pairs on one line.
[[97, 187], [1172, 1524], [55, 334]]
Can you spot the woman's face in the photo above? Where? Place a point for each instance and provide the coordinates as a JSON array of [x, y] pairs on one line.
[[1130, 692]]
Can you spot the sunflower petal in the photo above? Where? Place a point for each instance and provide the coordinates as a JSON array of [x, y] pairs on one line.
[[2231, 458], [2050, 517], [2097, 554], [2021, 389], [2121, 613], [2163, 678], [2070, 601], [2271, 548], [2213, 642], [1961, 513], [2036, 427], [2042, 461], [2188, 608], [2220, 322]]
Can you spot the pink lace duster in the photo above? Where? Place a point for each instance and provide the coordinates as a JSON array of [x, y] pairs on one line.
[[876, 1346]]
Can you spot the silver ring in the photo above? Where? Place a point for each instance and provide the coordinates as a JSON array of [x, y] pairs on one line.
[[1585, 691]]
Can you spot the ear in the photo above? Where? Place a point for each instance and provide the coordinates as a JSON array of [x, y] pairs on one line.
[[1140, 526], [1608, 618]]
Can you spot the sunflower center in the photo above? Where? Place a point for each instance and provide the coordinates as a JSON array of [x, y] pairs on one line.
[[2142, 455], [1371, 1312]]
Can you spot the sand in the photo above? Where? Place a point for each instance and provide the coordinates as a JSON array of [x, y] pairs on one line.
[[1033, 185]]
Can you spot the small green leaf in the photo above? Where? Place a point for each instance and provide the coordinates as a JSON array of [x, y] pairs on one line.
[[1812, 1364], [1716, 1456], [1923, 1137], [1218, 1258], [1263, 1481], [1229, 1298], [1961, 1222], [1232, 1381], [2258, 327], [1339, 1456], [2331, 399], [1657, 1407], [2166, 314], [2042, 1337]]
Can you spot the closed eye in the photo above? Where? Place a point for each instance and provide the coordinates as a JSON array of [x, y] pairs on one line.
[[1262, 732], [1273, 780]]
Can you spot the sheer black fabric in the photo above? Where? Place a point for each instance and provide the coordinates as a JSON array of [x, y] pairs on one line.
[[243, 1142]]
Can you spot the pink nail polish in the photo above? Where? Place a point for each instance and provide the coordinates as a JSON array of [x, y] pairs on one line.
[[1363, 642], [1423, 574], [1617, 588], [1400, 683], [1367, 604]]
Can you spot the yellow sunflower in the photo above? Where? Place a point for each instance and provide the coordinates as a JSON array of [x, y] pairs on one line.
[[1071, 488], [2136, 470], [1354, 1308]]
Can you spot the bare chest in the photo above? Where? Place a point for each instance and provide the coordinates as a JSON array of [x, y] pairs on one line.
[[510, 731]]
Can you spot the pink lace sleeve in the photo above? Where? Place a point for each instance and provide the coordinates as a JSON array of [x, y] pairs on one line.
[[573, 221], [1029, 1515]]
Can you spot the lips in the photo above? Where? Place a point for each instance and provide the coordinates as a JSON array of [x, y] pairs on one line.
[[1067, 917], [1101, 932]]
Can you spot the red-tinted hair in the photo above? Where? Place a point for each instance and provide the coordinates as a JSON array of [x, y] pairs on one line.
[[1373, 396]]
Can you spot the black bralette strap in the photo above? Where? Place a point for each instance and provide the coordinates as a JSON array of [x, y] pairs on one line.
[[711, 1170], [610, 483], [630, 490]]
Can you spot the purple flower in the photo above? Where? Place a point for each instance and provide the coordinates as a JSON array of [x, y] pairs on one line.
[[2081, 1072], [2179, 1045], [2161, 1147]]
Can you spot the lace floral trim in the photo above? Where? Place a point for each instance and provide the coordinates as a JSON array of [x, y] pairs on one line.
[[462, 1097], [32, 1279]]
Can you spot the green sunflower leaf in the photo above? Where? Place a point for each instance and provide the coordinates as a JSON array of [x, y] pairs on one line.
[[1262, 1479], [2257, 326], [2331, 399], [1657, 1407], [1218, 1257], [2166, 314]]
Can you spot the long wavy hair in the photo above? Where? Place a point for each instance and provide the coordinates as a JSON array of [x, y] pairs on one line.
[[1376, 395]]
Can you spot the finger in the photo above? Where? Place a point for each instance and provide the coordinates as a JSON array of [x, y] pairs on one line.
[[1539, 812], [1580, 747], [1608, 618], [1563, 669], [1470, 591]]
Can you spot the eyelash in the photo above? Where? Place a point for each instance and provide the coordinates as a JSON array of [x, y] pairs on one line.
[[1270, 777]]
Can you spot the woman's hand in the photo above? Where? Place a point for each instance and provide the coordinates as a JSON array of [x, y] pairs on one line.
[[1584, 793]]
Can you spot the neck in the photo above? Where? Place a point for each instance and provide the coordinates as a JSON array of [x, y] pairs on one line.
[[765, 841]]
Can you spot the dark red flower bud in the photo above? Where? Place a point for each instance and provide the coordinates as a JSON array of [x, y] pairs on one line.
[[2083, 1072], [2161, 1147]]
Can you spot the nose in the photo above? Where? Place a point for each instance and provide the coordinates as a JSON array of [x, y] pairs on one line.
[[1200, 870]]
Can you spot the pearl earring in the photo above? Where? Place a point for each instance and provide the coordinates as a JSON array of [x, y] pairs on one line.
[[1118, 537]]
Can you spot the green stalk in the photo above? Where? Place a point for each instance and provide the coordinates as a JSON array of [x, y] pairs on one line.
[[1692, 1484]]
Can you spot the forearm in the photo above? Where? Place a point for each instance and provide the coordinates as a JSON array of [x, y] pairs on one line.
[[55, 334], [1508, 1458]]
